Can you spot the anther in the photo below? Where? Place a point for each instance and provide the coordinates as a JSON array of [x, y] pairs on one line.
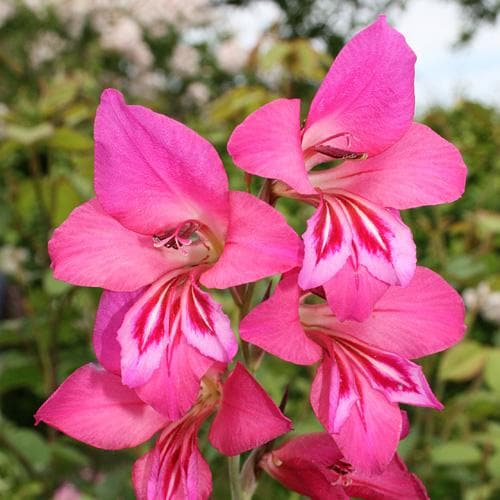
[[340, 154]]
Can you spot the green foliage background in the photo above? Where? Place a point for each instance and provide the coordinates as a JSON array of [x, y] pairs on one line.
[[46, 169]]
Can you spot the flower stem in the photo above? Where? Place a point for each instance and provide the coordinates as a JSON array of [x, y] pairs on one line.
[[234, 477]]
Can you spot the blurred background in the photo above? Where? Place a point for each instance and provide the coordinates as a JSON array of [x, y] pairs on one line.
[[209, 64]]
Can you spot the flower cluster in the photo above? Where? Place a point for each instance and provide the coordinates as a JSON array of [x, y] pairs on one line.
[[164, 228]]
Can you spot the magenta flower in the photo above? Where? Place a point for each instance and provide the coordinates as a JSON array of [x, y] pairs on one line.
[[355, 244], [313, 465], [164, 222], [364, 369], [93, 406]]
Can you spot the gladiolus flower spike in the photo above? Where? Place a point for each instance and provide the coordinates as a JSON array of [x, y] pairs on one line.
[[164, 229]]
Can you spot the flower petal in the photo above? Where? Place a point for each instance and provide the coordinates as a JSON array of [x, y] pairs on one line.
[[381, 241], [327, 244], [178, 469], [368, 92], [259, 243], [141, 474], [153, 173], [425, 317], [148, 327], [333, 391], [304, 464], [352, 293], [369, 437], [247, 416], [112, 309], [93, 406], [420, 169], [267, 144], [175, 384], [92, 249], [205, 325], [274, 325], [400, 380], [394, 483]]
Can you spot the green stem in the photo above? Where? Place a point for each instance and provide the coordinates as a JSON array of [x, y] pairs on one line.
[[234, 477]]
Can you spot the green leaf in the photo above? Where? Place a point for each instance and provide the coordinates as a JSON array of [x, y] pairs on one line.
[[58, 96], [463, 362], [70, 140], [29, 135], [492, 369], [54, 287], [29, 445], [494, 465], [456, 453]]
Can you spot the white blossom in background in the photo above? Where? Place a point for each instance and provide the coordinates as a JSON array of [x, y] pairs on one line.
[[231, 56], [148, 84], [46, 47], [485, 300], [37, 6], [124, 35], [7, 9], [198, 93], [156, 14], [12, 260], [185, 60]]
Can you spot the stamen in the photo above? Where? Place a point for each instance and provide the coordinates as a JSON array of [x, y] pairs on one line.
[[183, 235], [342, 468], [340, 154]]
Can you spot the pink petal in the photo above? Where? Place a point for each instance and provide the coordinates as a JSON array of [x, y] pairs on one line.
[[259, 243], [399, 379], [369, 437], [304, 477], [112, 309], [247, 416], [153, 173], [92, 249], [420, 169], [141, 474], [146, 330], [327, 244], [352, 293], [333, 391], [367, 93], [205, 325], [274, 325], [394, 483], [178, 469], [425, 317], [318, 447], [304, 464], [175, 384], [381, 241], [93, 406], [267, 144]]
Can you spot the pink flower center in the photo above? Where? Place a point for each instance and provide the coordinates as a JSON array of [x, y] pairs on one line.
[[331, 146], [192, 238], [183, 235]]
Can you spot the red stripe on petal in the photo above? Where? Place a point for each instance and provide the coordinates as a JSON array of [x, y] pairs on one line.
[[200, 310], [373, 233], [149, 324], [204, 324], [401, 380], [328, 231]]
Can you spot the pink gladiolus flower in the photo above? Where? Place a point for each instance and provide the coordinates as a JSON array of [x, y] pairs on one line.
[[93, 406], [364, 369], [355, 244], [162, 223], [313, 465]]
